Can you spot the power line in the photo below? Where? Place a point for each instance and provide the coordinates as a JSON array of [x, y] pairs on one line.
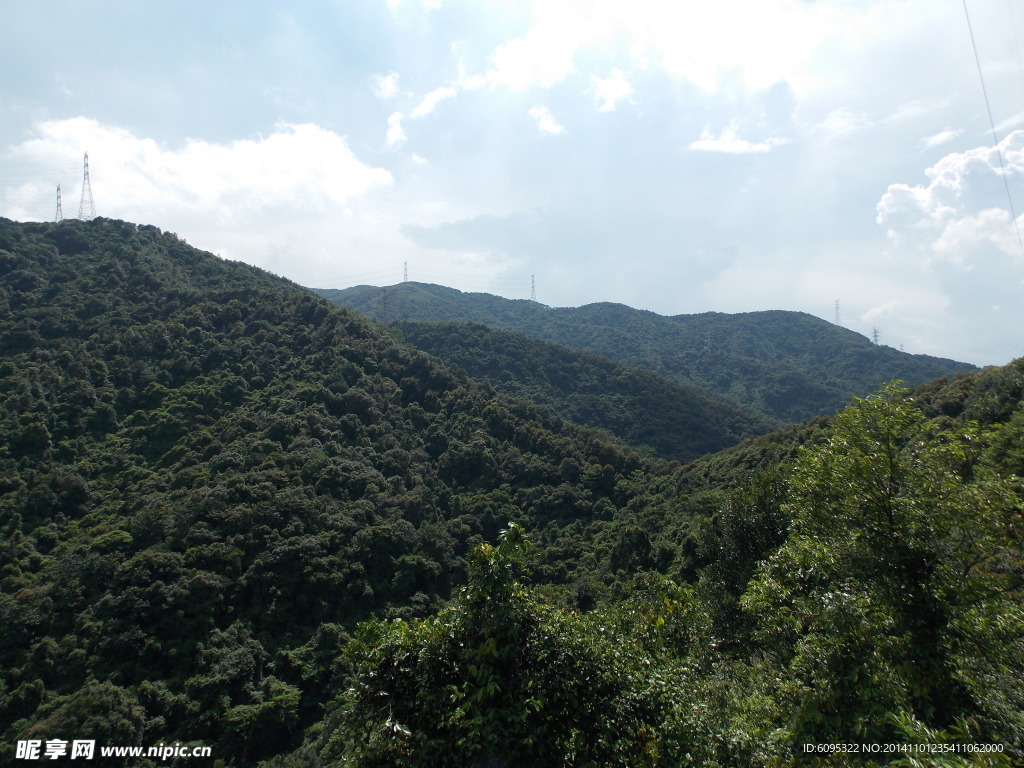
[[1016, 45], [992, 125]]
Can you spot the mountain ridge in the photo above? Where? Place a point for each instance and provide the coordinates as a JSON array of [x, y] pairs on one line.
[[784, 365]]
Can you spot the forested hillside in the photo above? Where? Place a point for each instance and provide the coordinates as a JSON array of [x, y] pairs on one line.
[[785, 366], [210, 475], [639, 406], [853, 597], [234, 514]]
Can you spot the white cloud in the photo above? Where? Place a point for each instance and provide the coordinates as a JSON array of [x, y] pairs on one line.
[[729, 141], [546, 122], [395, 134], [385, 86], [962, 209], [546, 54], [956, 232], [964, 239], [528, 61], [297, 165], [916, 108], [883, 311], [940, 138], [1010, 122], [431, 100], [608, 92], [251, 199], [843, 122], [704, 43]]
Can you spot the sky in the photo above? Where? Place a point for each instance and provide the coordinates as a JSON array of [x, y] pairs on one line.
[[835, 157]]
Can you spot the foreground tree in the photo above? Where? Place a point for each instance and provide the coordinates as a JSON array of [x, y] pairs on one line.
[[498, 679], [897, 591]]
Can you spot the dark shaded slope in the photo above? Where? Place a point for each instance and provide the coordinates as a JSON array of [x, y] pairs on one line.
[[639, 406], [788, 366]]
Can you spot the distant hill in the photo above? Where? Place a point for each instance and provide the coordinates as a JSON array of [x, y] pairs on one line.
[[637, 405], [788, 366]]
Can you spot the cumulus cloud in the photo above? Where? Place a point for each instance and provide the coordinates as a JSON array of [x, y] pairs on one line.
[[958, 232], [962, 210], [546, 122], [609, 91]]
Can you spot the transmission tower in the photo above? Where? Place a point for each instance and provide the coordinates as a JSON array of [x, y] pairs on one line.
[[60, 211], [86, 208], [405, 271], [837, 312], [533, 287], [874, 336]]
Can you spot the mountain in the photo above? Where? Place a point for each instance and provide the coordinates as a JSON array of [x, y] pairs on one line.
[[786, 366], [208, 476], [639, 406], [236, 515]]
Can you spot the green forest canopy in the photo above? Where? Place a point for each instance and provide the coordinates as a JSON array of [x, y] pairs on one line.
[[234, 514]]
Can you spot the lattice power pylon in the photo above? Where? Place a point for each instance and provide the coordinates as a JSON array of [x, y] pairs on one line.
[[60, 211], [86, 208]]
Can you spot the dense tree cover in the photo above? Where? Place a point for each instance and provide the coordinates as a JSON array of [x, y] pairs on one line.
[[897, 588], [209, 476], [889, 612], [233, 513], [497, 678], [639, 406], [786, 366]]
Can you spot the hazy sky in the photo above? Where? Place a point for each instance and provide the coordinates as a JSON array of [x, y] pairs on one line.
[[726, 155]]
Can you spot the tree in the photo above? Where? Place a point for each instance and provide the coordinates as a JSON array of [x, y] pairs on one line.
[[899, 579], [497, 679]]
